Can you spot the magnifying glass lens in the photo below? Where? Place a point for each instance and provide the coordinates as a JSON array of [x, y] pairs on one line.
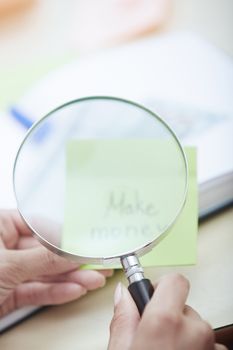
[[99, 178]]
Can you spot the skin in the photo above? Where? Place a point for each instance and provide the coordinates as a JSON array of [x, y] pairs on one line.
[[32, 275], [167, 322]]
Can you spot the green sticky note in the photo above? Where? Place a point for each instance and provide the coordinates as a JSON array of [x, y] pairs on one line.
[[116, 200], [179, 247]]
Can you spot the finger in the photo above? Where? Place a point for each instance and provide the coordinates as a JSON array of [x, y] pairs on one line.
[[36, 293], [27, 242], [169, 296], [2, 245], [191, 313], [220, 347], [195, 332], [8, 230], [87, 278], [19, 223], [125, 320], [48, 229], [107, 273], [23, 265]]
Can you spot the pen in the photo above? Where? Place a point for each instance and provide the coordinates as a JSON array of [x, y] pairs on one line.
[[27, 123], [24, 120]]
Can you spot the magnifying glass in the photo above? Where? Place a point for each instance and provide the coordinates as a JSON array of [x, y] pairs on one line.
[[90, 152]]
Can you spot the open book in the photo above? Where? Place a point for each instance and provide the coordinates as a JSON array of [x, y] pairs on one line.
[[212, 134], [182, 78]]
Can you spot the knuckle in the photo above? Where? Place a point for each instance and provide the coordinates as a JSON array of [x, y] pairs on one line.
[[50, 259], [177, 278], [31, 295], [161, 323], [169, 319], [204, 333], [10, 272]]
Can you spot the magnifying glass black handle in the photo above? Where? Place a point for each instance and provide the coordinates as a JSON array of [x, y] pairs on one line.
[[141, 292]]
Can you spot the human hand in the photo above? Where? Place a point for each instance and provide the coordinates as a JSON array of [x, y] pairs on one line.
[[166, 324], [32, 275]]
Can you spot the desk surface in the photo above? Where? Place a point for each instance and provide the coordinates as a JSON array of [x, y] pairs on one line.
[[83, 324]]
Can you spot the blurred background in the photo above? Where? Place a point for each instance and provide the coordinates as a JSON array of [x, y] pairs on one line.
[[37, 36], [173, 56]]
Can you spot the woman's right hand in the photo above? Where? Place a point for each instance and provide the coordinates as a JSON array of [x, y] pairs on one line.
[[166, 324]]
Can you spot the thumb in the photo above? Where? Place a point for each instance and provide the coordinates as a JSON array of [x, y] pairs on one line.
[[125, 320]]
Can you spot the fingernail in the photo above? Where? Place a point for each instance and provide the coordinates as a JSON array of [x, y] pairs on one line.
[[109, 273], [84, 292], [117, 294], [102, 282]]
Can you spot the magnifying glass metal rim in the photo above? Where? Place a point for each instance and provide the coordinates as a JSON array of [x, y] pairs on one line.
[[141, 250]]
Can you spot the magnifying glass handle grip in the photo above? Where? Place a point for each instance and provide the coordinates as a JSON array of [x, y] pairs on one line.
[[141, 292]]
